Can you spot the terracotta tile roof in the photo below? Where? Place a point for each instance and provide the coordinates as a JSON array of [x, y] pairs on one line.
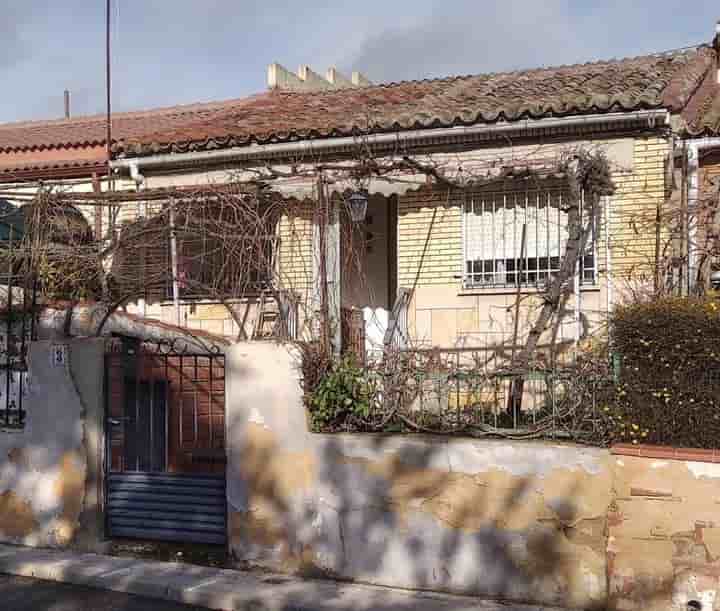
[[652, 81], [702, 114], [89, 131], [52, 169]]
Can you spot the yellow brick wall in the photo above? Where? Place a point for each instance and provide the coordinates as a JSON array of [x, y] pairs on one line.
[[443, 256], [709, 172], [295, 260], [632, 227], [443, 315], [294, 269], [633, 210]]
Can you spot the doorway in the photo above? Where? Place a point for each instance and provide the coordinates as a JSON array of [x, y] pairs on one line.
[[369, 268]]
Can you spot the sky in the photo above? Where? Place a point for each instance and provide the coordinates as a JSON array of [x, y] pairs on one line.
[[168, 52]]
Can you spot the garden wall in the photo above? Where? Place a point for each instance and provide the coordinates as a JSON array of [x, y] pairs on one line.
[[524, 521], [664, 529], [532, 521]]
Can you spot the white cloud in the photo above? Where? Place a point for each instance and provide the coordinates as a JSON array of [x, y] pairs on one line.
[[479, 36]]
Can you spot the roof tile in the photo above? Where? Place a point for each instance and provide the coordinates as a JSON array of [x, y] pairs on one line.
[[702, 114], [652, 81]]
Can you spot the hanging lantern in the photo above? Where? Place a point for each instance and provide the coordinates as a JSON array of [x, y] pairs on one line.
[[358, 203]]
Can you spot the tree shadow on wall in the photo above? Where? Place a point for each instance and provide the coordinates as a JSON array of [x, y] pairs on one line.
[[428, 527], [393, 506], [391, 510]]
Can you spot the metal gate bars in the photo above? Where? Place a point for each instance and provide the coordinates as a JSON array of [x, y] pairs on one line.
[[165, 453]]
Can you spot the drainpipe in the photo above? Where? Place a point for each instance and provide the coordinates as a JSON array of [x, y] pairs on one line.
[[139, 180], [695, 148], [390, 141], [578, 308]]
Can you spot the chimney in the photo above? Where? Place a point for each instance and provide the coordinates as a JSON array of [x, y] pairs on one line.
[[279, 77], [67, 104], [360, 80], [312, 80], [337, 79]]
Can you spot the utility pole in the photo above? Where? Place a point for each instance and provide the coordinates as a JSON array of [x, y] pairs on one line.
[[108, 135]]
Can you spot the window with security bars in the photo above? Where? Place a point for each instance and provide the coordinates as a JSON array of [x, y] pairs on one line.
[[206, 265], [493, 229], [14, 340]]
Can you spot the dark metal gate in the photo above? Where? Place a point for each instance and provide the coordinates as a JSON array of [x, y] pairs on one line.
[[165, 443]]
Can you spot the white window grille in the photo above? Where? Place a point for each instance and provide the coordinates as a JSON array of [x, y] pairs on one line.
[[492, 241]]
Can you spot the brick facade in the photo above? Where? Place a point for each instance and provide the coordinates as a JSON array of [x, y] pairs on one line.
[[633, 210], [444, 314], [435, 219]]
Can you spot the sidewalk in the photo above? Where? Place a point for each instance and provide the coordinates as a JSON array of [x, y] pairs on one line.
[[226, 589]]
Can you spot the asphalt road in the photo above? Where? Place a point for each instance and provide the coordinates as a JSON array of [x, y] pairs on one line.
[[23, 594]]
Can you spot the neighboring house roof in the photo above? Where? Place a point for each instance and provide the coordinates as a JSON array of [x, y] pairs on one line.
[[90, 131], [702, 114], [664, 80], [61, 148], [15, 169]]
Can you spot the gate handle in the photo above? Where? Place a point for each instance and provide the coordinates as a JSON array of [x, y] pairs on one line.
[[117, 421]]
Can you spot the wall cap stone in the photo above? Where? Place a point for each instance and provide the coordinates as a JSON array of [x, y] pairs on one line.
[[666, 452]]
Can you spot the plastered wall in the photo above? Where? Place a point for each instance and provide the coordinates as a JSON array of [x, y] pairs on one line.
[[48, 486], [530, 521], [520, 521]]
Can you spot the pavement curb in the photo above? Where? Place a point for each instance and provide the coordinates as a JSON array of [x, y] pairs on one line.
[[224, 589]]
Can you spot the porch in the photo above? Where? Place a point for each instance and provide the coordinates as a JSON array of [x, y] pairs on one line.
[[465, 269]]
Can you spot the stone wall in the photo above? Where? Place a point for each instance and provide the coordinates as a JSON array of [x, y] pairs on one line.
[[523, 521], [49, 487]]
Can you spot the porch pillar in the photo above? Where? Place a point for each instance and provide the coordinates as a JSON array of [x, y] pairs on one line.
[[326, 229]]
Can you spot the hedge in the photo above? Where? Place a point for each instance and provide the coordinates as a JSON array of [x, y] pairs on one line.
[[668, 391]]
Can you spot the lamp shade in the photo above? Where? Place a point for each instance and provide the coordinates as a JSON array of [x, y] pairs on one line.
[[358, 203]]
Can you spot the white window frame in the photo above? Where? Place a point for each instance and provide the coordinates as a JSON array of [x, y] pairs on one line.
[[497, 264]]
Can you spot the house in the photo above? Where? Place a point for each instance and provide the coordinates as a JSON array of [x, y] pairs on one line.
[[457, 252], [701, 148], [433, 212], [428, 265]]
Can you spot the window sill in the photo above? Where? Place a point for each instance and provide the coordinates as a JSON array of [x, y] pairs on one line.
[[524, 290], [12, 430], [196, 301]]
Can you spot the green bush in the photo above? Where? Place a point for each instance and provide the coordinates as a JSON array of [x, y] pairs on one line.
[[668, 391], [343, 398]]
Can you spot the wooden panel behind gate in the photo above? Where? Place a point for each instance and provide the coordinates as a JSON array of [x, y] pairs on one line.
[[166, 444]]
